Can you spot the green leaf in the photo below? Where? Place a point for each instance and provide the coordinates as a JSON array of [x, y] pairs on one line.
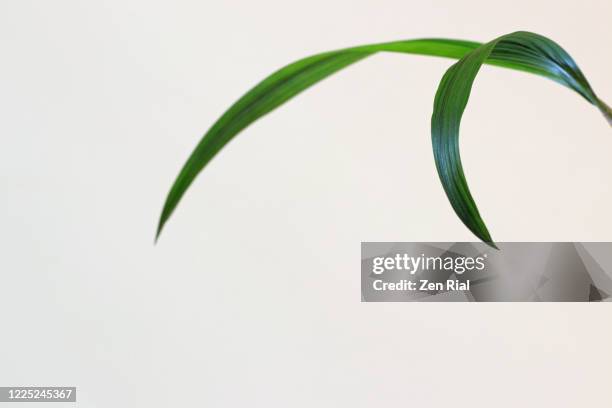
[[294, 78], [524, 48]]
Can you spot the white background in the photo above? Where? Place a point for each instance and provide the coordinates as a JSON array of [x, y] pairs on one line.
[[251, 297]]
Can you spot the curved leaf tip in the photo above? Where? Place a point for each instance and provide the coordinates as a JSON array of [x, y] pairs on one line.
[[524, 48]]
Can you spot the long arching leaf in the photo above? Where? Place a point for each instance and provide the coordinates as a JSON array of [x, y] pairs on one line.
[[453, 94], [294, 78]]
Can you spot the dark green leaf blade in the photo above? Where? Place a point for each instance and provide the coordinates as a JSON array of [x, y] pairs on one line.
[[289, 81], [283, 85], [523, 48]]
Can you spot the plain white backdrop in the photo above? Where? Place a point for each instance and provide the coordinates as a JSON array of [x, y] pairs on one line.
[[251, 297]]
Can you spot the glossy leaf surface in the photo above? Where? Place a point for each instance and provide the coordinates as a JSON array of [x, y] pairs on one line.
[[520, 51]]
